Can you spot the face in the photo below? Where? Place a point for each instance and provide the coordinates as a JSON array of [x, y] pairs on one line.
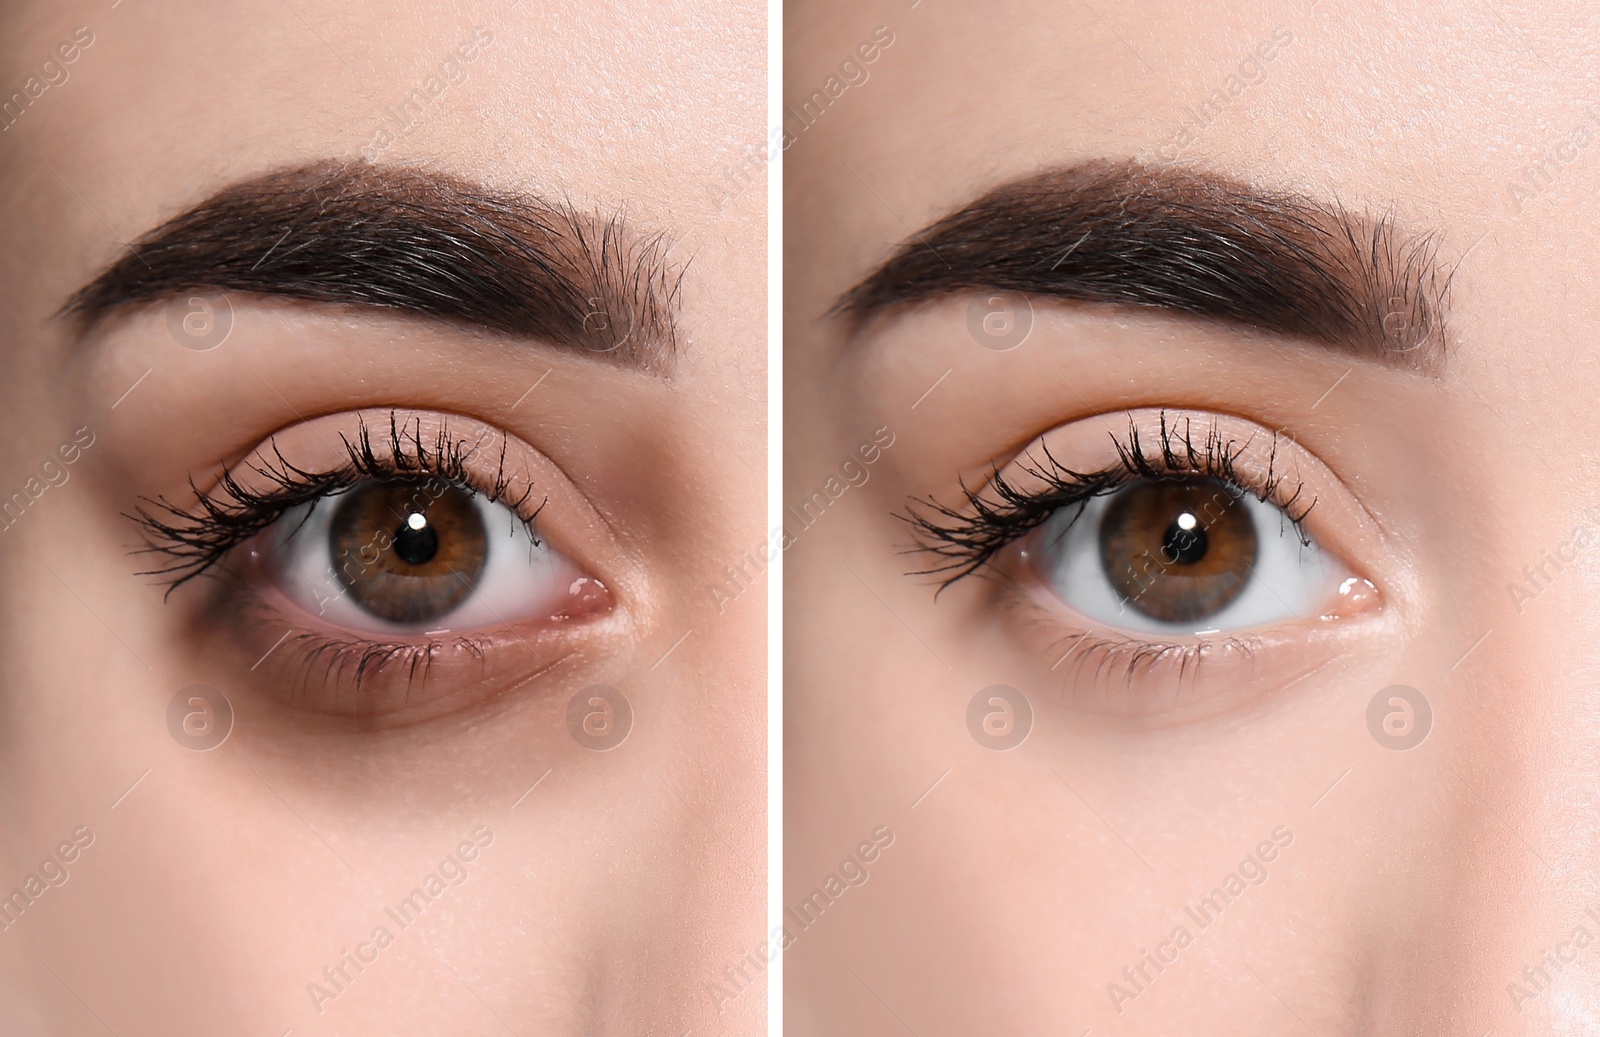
[[365, 669], [1242, 395]]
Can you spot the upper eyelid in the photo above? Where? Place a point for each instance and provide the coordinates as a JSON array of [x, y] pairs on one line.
[[200, 536]]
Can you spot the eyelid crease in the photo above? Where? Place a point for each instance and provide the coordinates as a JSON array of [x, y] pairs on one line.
[[966, 537], [197, 538]]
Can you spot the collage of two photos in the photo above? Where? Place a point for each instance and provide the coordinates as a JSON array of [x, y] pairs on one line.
[[898, 517]]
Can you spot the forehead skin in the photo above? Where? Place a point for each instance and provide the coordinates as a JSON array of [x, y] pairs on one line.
[[1372, 108], [1435, 111], [603, 105]]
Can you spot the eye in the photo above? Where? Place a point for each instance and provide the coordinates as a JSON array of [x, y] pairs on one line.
[[1182, 556], [1162, 567], [415, 555], [389, 565]]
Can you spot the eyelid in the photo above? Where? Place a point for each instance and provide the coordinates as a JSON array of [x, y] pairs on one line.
[[261, 491], [1150, 684], [324, 457], [566, 516]]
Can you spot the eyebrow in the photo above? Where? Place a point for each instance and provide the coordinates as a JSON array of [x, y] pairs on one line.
[[1182, 241], [414, 240]]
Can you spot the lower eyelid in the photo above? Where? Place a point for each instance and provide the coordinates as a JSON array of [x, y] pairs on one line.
[[309, 666], [1093, 670]]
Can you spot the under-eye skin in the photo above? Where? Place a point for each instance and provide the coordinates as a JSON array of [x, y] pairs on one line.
[[1177, 554], [413, 560]]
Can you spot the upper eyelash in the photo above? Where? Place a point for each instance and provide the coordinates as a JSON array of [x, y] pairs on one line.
[[966, 537], [196, 539]]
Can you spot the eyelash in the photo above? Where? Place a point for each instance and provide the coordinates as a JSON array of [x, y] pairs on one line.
[[196, 539], [966, 538]]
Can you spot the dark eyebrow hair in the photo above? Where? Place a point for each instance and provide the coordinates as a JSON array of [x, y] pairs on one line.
[[409, 239], [1184, 241]]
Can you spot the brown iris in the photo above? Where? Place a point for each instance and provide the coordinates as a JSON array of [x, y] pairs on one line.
[[1178, 551], [408, 551]]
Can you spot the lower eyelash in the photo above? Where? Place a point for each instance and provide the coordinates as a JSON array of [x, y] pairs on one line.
[[965, 538], [1129, 660], [307, 659], [1087, 659], [369, 659], [196, 538]]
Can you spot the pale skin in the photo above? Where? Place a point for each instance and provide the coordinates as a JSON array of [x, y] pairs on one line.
[[1422, 888], [211, 890]]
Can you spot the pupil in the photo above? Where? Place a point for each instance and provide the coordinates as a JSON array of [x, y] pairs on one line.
[[415, 542], [1184, 546]]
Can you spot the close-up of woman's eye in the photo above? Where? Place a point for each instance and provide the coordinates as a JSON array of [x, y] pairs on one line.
[[1177, 546], [1182, 556], [1180, 536], [417, 556], [403, 556]]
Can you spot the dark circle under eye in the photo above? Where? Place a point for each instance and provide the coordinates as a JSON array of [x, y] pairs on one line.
[[1178, 550], [408, 551]]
